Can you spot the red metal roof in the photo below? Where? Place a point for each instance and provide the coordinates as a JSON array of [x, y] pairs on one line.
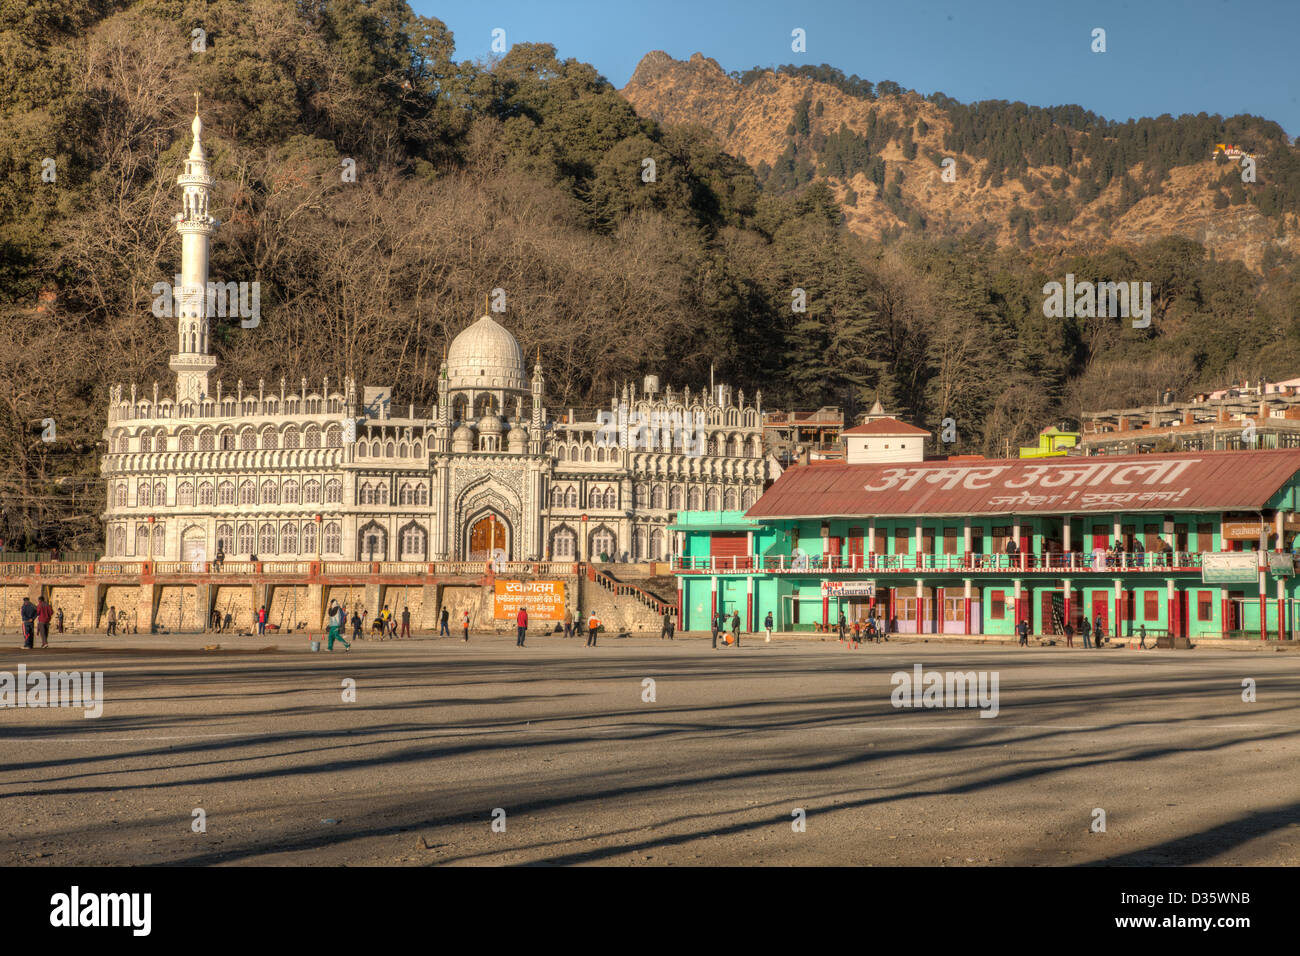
[[885, 426], [1189, 481]]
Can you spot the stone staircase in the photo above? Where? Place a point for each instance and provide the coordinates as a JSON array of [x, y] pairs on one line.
[[624, 606]]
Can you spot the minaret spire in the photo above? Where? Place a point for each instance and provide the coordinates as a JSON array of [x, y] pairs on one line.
[[192, 361]]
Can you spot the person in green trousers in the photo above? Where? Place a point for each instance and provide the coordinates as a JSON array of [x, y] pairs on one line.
[[335, 635]]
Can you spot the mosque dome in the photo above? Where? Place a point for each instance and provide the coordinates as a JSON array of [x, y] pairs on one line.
[[486, 356]]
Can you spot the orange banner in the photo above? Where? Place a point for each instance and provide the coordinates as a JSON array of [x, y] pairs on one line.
[[543, 599]]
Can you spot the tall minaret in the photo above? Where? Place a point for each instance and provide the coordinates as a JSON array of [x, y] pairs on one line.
[[192, 361]]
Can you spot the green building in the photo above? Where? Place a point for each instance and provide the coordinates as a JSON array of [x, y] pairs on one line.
[[1181, 544]]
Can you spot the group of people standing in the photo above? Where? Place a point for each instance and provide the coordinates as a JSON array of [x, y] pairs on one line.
[[36, 620], [1086, 631]]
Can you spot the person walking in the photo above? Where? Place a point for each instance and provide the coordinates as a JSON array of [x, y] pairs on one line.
[[666, 625], [713, 625], [735, 627], [464, 623], [1023, 629], [58, 620], [112, 621], [335, 632], [767, 623], [1085, 628], [443, 619], [406, 621], [568, 622], [1142, 637], [521, 626], [261, 620], [27, 613], [593, 628], [1098, 632], [332, 613], [843, 626], [44, 614], [1069, 635]]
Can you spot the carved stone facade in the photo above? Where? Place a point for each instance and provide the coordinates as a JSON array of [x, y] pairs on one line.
[[333, 472]]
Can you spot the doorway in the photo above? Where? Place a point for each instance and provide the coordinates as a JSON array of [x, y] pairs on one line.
[[487, 535]]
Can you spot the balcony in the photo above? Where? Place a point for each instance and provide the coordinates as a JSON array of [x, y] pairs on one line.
[[1052, 563]]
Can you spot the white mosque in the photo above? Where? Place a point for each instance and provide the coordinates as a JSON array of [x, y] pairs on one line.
[[300, 471]]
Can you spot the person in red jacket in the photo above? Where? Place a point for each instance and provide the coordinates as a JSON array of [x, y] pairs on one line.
[[44, 614], [261, 619], [521, 624]]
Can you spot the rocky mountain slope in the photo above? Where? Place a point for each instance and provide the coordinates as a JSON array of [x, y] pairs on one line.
[[756, 121]]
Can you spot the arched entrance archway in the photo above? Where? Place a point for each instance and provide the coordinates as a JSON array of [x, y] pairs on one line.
[[486, 533]]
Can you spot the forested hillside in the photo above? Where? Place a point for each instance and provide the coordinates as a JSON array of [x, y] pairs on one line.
[[524, 174]]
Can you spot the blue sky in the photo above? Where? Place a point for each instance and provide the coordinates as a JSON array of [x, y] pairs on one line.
[[1162, 56]]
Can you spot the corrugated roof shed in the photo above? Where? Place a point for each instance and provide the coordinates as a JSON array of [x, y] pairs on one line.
[[1191, 481]]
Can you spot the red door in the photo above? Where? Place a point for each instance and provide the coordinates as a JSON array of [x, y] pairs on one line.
[[1100, 601]]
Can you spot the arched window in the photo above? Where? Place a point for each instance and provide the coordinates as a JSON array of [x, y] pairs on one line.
[[642, 496], [729, 500], [186, 441], [600, 453], [639, 552], [185, 493], [712, 500], [205, 493], [711, 447], [363, 450], [561, 453], [311, 491], [291, 492], [749, 498], [226, 440], [142, 541], [411, 542], [225, 538], [270, 493], [381, 493], [657, 496], [247, 493], [159, 540], [269, 438], [207, 440], [332, 539], [557, 497], [160, 494], [247, 439], [123, 445], [675, 498], [266, 540], [416, 450], [595, 498], [143, 494], [602, 543], [226, 493], [333, 491], [656, 545], [117, 542], [309, 537], [564, 545], [586, 453], [119, 495], [244, 544], [334, 436], [403, 450], [693, 499], [311, 438], [291, 437], [422, 495], [756, 447], [288, 538], [146, 443]]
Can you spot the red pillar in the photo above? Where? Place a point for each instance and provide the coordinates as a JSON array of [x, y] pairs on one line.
[[889, 621], [1172, 616], [966, 615], [1068, 619], [1118, 627], [826, 611], [1223, 614], [1281, 623], [1263, 617], [749, 611], [938, 610]]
